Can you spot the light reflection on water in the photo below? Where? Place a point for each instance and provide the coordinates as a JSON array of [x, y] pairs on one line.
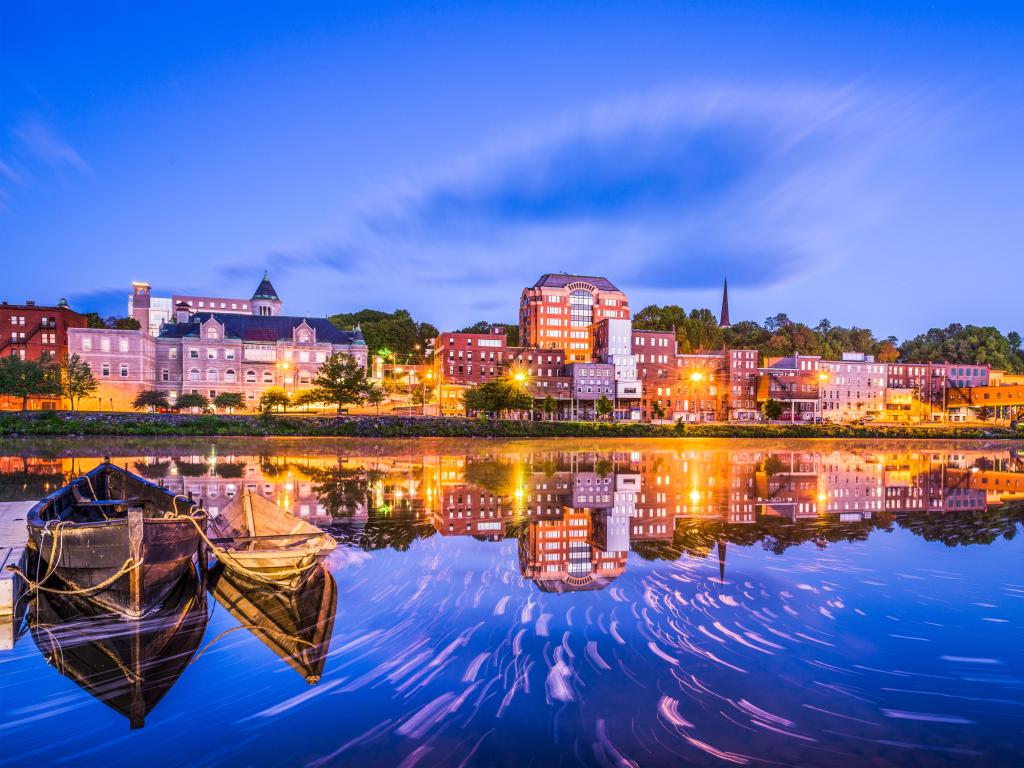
[[553, 602]]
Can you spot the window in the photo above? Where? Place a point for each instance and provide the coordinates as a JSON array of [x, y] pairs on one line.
[[303, 377], [229, 354], [229, 376], [172, 353], [165, 375], [193, 354], [105, 344], [268, 377], [581, 308], [122, 345], [86, 344], [193, 374], [105, 369], [211, 374], [250, 377], [212, 334], [124, 370], [211, 354]]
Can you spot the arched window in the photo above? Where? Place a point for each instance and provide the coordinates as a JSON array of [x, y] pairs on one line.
[[193, 374], [211, 374], [303, 377], [581, 308], [229, 376], [268, 377], [250, 376]]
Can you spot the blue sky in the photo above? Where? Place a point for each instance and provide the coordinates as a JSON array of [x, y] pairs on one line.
[[856, 161]]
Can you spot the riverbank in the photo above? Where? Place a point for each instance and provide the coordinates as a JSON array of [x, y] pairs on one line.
[[126, 424]]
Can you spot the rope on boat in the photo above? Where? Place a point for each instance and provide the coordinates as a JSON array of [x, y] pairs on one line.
[[226, 557], [127, 567], [251, 628]]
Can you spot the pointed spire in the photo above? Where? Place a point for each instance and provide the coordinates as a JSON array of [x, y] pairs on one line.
[[721, 561], [723, 321]]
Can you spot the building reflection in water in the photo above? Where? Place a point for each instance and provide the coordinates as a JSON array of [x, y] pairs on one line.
[[577, 514]]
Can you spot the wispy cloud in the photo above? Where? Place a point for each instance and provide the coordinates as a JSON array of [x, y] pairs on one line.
[[42, 141], [672, 189]]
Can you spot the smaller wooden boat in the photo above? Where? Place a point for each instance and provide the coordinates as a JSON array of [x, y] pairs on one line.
[[257, 539], [115, 538], [128, 665], [295, 624]]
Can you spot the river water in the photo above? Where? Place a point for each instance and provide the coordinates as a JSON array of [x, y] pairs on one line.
[[555, 603]]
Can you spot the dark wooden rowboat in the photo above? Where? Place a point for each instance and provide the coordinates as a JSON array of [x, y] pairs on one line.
[[295, 624], [115, 537], [128, 665]]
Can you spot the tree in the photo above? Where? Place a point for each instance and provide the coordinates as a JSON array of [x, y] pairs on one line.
[[23, 379], [230, 401], [970, 344], [421, 394], [511, 330], [396, 332], [93, 320], [151, 398], [76, 379], [342, 380], [374, 395], [888, 352], [772, 410], [193, 400], [273, 398], [657, 411], [495, 397], [603, 407], [550, 406], [123, 323], [308, 397]]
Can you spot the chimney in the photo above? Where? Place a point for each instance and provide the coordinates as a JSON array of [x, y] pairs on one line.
[[30, 303]]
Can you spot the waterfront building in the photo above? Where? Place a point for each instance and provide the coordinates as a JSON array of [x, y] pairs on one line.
[[613, 344], [795, 382], [36, 332], [210, 353], [557, 312], [589, 383], [853, 389]]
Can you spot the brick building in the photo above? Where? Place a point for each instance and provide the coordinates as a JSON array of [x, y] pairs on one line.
[[557, 312], [853, 389], [36, 332]]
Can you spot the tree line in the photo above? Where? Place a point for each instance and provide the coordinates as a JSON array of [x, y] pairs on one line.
[[70, 377], [780, 336]]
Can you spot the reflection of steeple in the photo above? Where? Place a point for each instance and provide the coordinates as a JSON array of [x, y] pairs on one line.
[[723, 321], [721, 561]]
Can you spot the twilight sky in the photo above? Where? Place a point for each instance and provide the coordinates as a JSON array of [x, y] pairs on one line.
[[863, 162]]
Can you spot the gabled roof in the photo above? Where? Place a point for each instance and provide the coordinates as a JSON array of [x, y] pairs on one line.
[[561, 279], [257, 328], [265, 290]]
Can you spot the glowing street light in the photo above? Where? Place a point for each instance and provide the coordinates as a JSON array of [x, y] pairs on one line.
[[696, 376]]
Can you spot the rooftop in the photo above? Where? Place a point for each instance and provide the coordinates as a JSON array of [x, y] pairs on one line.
[[258, 328], [561, 279], [265, 290]]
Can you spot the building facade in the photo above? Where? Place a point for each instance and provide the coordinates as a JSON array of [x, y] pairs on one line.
[[557, 312], [853, 389], [211, 353], [35, 332]]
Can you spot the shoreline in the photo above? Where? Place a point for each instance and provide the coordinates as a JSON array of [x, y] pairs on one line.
[[67, 423]]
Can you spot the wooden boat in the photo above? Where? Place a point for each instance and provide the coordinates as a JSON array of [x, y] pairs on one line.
[[295, 624], [128, 665], [264, 543], [116, 538]]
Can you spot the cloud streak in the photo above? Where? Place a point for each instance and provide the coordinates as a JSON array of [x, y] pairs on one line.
[[673, 189]]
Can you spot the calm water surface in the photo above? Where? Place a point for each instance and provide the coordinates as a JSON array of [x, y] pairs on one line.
[[555, 603]]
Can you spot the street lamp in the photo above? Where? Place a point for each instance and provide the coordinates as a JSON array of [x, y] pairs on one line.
[[696, 377]]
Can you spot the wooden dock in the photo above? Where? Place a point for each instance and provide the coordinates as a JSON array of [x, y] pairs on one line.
[[13, 537]]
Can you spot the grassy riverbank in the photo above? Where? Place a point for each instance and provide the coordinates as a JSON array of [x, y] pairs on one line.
[[118, 424]]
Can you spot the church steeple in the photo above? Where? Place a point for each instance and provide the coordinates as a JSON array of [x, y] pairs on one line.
[[723, 321]]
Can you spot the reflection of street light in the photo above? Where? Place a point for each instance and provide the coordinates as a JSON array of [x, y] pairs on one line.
[[696, 377], [520, 377]]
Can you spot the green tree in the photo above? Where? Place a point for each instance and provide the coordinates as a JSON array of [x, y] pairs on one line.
[[421, 394], [772, 410], [657, 411], [511, 330], [76, 379], [23, 379], [969, 344], [395, 331], [230, 401], [93, 320], [374, 395], [274, 398], [604, 407], [151, 398], [190, 400], [550, 406], [123, 323], [342, 380], [308, 397]]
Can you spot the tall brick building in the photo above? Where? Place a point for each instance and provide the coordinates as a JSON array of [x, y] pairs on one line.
[[557, 312]]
